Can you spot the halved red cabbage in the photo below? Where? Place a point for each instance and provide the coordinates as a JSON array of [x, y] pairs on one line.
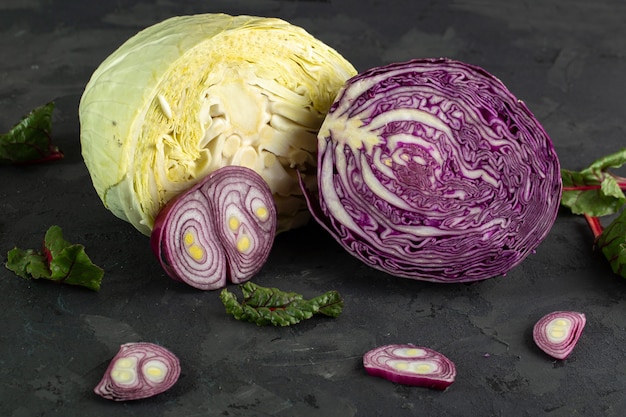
[[410, 365], [432, 170]]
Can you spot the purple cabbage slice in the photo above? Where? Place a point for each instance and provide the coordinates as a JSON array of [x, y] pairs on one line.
[[432, 170], [557, 333], [410, 365], [221, 229], [139, 370]]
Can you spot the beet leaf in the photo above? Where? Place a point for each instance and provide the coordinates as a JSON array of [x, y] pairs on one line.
[[58, 261], [265, 306], [612, 244], [30, 140], [595, 192]]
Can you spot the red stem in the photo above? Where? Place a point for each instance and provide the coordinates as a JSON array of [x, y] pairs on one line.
[[622, 186], [52, 156], [582, 188], [621, 181], [595, 225]]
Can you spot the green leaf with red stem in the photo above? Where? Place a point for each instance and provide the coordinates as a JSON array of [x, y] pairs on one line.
[[30, 140], [265, 306], [612, 244], [58, 261], [595, 191]]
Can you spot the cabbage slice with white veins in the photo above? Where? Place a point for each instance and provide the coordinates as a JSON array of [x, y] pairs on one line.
[[191, 94], [431, 169]]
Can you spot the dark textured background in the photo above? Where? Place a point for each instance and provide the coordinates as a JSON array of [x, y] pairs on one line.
[[566, 59]]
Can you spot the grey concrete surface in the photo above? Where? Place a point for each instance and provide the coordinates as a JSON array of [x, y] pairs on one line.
[[564, 58]]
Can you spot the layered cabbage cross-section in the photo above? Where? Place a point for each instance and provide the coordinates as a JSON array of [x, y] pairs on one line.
[[431, 169]]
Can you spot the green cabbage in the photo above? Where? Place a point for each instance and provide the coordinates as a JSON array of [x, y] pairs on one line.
[[194, 93]]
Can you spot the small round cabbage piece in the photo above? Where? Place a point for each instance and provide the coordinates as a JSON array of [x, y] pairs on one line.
[[191, 94], [432, 170]]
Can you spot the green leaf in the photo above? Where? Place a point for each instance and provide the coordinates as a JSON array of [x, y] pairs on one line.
[[29, 141], [612, 244], [59, 261], [28, 263], [595, 190], [614, 160], [265, 306], [329, 304]]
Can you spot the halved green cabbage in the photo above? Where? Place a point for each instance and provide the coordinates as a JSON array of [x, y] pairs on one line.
[[194, 93]]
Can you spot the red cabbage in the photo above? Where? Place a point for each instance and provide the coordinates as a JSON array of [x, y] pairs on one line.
[[432, 170], [410, 365], [222, 228], [139, 370]]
